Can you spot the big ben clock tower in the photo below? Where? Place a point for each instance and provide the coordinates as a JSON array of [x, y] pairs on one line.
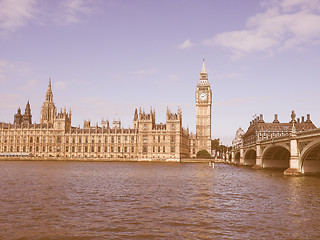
[[203, 112]]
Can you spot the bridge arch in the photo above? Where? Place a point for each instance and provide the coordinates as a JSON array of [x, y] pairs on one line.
[[276, 156], [237, 157], [310, 157], [250, 157]]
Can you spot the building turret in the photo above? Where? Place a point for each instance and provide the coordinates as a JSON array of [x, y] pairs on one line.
[[18, 117], [27, 117], [135, 119], [63, 120], [48, 111]]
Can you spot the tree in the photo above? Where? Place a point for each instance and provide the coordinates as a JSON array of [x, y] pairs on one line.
[[203, 154]]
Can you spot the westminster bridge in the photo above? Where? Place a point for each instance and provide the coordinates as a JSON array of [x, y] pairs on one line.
[[297, 153]]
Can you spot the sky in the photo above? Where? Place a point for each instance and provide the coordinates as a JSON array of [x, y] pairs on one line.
[[108, 57]]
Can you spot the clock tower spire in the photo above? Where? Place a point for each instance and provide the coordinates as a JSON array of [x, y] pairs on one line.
[[203, 111]]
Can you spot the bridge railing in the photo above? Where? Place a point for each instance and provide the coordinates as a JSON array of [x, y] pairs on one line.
[[309, 132]]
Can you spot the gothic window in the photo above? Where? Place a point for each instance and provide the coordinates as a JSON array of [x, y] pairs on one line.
[[11, 149], [67, 139], [164, 138], [154, 138], [86, 148], [125, 149], [106, 139], [173, 127], [145, 126], [119, 150], [119, 139], [79, 149], [172, 149], [99, 139], [73, 148], [111, 149], [37, 149], [99, 148], [173, 139], [144, 138], [164, 149], [30, 149], [50, 139], [24, 139], [105, 149], [132, 139], [73, 140], [37, 139], [5, 148], [79, 140], [112, 139], [125, 138], [31, 139], [24, 149], [92, 139], [86, 139], [132, 149], [159, 149], [18, 139], [5, 139], [67, 149], [158, 139], [145, 149], [58, 139], [92, 149], [43, 149], [153, 149], [18, 149]]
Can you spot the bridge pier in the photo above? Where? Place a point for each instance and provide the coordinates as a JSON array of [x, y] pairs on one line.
[[232, 157], [293, 170], [241, 156], [258, 164]]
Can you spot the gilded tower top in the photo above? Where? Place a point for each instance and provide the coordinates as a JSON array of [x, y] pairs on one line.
[[203, 75]]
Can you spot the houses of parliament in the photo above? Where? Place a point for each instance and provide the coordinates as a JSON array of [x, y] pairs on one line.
[[55, 138]]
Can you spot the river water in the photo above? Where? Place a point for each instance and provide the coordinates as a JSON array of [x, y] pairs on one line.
[[78, 200]]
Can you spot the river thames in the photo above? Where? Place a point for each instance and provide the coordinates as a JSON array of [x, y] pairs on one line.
[[100, 200]]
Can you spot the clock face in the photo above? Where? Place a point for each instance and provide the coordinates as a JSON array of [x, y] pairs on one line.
[[203, 96]]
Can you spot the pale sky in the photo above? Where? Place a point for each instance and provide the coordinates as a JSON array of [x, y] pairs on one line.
[[106, 58]]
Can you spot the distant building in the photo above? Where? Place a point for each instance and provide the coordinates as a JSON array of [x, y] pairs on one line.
[[238, 139], [260, 130], [146, 141]]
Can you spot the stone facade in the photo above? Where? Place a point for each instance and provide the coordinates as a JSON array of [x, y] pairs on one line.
[[55, 137]]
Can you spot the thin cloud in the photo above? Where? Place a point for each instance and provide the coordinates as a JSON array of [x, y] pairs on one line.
[[145, 72], [73, 11], [173, 77], [9, 68], [284, 25], [231, 75], [15, 14], [186, 44]]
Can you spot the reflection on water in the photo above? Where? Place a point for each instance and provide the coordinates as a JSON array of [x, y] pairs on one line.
[[71, 200]]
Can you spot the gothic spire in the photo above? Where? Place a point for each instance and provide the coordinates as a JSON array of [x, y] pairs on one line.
[[203, 70], [49, 87], [49, 96]]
